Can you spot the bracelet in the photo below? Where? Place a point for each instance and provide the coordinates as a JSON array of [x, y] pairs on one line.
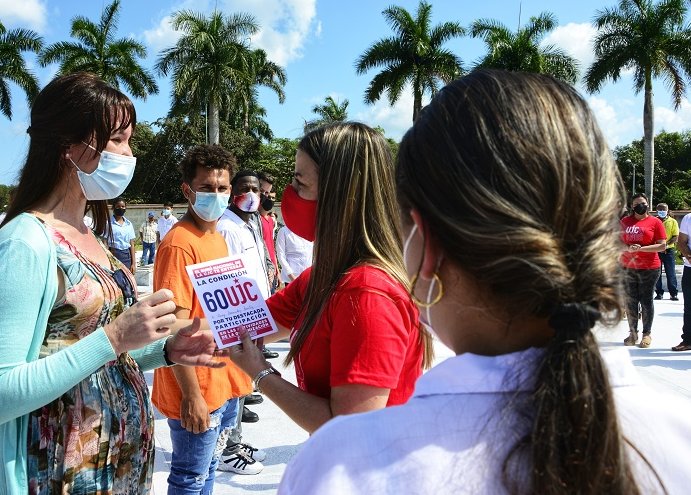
[[263, 374], [165, 353]]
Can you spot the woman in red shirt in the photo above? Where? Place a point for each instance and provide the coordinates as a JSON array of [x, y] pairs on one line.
[[356, 340], [644, 236]]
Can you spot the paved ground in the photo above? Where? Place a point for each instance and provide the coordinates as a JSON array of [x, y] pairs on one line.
[[281, 438]]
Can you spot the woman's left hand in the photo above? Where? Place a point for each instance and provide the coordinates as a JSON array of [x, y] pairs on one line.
[[192, 346], [247, 356]]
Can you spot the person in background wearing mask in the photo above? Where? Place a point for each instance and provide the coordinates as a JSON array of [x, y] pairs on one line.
[[668, 257], [121, 244], [148, 233], [266, 224], [75, 415], [643, 236], [165, 221], [201, 404], [243, 237], [355, 337]]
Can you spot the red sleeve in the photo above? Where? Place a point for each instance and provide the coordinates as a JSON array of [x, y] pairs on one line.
[[285, 305], [369, 337]]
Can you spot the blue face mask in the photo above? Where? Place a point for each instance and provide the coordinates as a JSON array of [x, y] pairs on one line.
[[111, 177], [209, 206], [661, 213]]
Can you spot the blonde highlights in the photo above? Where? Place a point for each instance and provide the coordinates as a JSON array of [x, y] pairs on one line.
[[357, 220]]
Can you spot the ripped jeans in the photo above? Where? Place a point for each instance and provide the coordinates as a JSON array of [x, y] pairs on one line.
[[195, 456]]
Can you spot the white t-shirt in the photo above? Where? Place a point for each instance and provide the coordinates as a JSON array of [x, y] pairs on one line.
[[685, 228], [165, 224], [455, 432], [293, 252], [242, 239]]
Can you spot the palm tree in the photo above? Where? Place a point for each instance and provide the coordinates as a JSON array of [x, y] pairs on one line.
[[328, 113], [653, 41], [13, 67], [209, 61], [97, 51], [415, 55], [521, 51], [261, 72]]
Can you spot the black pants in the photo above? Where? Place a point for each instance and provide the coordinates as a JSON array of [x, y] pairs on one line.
[[686, 290], [640, 285]]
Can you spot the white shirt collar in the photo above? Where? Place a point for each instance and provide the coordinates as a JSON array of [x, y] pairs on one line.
[[473, 374]]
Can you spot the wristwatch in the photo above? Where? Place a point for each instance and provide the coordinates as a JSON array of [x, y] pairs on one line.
[[262, 374]]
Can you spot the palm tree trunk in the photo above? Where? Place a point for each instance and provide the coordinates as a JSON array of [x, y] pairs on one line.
[[648, 139], [417, 100], [214, 123]]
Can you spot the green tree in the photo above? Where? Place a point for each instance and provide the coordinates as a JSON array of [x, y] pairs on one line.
[[98, 51], [277, 157], [209, 61], [653, 40], [13, 66], [521, 51], [415, 56], [329, 112]]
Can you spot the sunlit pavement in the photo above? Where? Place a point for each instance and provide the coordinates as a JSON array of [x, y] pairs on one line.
[[658, 366]]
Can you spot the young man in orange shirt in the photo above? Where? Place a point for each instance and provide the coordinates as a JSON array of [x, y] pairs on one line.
[[201, 404]]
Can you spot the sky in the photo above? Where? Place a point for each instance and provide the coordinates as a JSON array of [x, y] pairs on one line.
[[318, 42]]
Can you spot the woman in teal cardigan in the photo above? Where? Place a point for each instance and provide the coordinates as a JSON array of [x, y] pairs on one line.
[[75, 415]]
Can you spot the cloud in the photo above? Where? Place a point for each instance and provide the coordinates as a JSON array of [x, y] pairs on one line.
[[620, 121], [285, 25], [395, 120], [576, 40], [25, 13], [670, 120], [161, 36]]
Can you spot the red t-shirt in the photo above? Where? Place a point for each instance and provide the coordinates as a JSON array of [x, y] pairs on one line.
[[645, 232], [268, 224], [368, 334]]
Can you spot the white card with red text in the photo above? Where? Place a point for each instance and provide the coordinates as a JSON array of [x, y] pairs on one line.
[[231, 300]]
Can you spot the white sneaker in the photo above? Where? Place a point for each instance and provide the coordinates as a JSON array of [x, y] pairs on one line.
[[254, 453], [240, 463]]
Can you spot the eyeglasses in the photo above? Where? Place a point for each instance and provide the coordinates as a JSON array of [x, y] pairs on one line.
[[128, 291]]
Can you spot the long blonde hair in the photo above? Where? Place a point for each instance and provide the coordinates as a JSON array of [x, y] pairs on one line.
[[357, 220]]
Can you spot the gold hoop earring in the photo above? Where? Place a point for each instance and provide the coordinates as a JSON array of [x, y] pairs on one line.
[[431, 303]]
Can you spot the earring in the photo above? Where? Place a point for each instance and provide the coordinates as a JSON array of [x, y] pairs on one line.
[[440, 293]]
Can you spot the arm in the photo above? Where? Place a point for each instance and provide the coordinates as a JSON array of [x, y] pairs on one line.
[[683, 246], [307, 410], [133, 266], [673, 239], [660, 245], [194, 413]]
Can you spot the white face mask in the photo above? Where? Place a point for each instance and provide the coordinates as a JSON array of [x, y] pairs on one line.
[[166, 213], [430, 291], [111, 177]]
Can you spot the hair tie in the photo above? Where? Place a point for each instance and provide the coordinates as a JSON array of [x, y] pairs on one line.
[[573, 319]]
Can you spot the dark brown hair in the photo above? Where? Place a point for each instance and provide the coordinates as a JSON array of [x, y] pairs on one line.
[[71, 109], [503, 167], [211, 156]]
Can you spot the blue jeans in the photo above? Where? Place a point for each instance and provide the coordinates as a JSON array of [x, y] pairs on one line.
[[149, 247], [195, 456], [668, 259]]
